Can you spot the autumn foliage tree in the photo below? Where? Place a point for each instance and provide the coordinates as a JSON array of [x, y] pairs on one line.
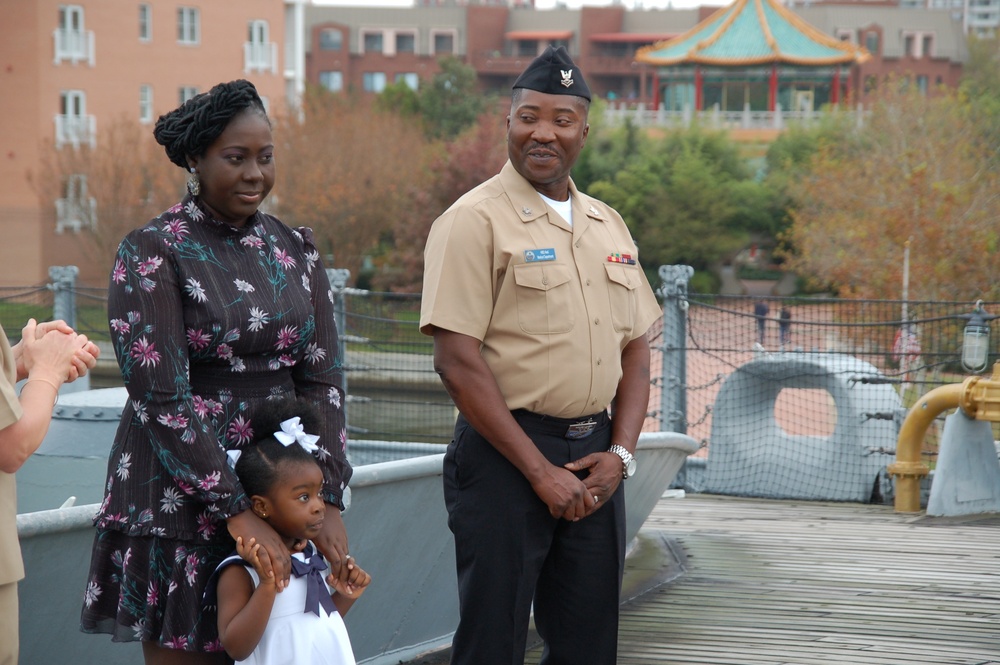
[[126, 173], [916, 170], [458, 165], [347, 170]]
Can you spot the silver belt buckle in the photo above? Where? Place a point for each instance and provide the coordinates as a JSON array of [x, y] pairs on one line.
[[580, 430]]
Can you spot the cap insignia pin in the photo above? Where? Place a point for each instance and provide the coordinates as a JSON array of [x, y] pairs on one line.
[[567, 77]]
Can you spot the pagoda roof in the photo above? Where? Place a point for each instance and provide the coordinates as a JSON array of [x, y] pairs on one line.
[[752, 32]]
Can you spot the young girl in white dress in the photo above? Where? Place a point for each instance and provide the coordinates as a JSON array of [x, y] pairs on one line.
[[302, 624]]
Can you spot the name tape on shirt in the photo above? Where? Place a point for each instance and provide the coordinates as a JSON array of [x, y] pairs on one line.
[[533, 255], [621, 258]]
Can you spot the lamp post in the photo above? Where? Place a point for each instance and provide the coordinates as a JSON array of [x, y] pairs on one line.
[[976, 339]]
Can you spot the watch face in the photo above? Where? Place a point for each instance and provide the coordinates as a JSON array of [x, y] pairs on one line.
[[630, 467]]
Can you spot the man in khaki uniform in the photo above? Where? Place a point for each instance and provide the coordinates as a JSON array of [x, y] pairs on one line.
[[47, 356], [539, 310]]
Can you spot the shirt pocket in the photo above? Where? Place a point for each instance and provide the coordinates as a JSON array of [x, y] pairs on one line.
[[623, 280], [543, 298]]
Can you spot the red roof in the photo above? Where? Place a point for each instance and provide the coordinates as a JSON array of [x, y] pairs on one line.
[[632, 37], [539, 35]]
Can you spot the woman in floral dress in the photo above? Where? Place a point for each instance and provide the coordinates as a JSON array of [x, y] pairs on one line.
[[214, 308]]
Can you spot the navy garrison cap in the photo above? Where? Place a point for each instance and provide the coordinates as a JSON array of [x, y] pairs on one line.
[[554, 74]]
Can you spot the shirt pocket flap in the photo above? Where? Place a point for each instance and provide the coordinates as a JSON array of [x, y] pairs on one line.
[[542, 277], [627, 276]]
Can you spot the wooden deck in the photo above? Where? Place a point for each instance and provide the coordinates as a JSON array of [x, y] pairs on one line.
[[803, 583]]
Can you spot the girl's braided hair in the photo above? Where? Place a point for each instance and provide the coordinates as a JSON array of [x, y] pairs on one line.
[[194, 125], [259, 461]]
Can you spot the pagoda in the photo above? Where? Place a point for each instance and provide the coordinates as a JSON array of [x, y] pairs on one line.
[[752, 54]]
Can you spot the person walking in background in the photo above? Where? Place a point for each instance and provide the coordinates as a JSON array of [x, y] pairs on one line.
[[539, 310], [303, 625], [785, 325], [215, 307], [760, 311], [48, 355]]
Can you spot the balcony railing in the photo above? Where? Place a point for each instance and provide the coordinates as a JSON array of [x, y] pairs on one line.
[[75, 129], [715, 118], [76, 214], [260, 57], [73, 46]]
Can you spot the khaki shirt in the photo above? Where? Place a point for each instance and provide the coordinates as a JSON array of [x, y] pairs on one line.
[[11, 566], [553, 305]]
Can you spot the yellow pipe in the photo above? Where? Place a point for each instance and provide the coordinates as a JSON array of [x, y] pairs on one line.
[[978, 398], [909, 468]]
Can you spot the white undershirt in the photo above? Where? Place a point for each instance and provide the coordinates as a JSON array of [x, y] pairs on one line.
[[564, 208]]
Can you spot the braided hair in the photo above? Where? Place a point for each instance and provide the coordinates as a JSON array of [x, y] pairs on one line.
[[258, 465], [193, 126]]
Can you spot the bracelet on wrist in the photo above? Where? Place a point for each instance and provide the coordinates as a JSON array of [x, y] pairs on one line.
[[47, 382]]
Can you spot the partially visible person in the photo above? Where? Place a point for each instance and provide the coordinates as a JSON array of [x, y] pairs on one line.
[[48, 355], [302, 625], [785, 325], [215, 307], [539, 310], [760, 312]]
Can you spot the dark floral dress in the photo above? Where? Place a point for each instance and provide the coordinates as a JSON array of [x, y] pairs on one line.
[[208, 321]]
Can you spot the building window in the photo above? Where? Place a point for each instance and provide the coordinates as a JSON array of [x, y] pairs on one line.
[[73, 125], [332, 81], [145, 23], [526, 48], [922, 84], [259, 53], [373, 42], [186, 92], [909, 46], [330, 40], [145, 104], [411, 79], [444, 43], [374, 81], [927, 46], [188, 25], [75, 210], [406, 43], [872, 42], [73, 42]]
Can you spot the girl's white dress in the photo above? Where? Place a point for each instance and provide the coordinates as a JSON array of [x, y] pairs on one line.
[[294, 636]]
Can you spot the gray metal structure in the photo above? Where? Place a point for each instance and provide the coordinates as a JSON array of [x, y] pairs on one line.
[[397, 523], [843, 466]]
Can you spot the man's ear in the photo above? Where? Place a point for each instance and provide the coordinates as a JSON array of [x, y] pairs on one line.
[[260, 506]]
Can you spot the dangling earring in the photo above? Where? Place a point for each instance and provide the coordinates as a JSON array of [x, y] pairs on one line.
[[193, 183]]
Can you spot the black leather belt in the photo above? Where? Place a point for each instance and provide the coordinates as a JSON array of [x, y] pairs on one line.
[[568, 428]]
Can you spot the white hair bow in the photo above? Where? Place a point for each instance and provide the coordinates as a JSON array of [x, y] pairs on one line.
[[292, 432]]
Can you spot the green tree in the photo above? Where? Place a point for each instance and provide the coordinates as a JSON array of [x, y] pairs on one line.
[[399, 98], [688, 197], [450, 102]]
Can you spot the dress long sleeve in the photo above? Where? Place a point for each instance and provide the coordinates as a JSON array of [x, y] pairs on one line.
[[209, 321]]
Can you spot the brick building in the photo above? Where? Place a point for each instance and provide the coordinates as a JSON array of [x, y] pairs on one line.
[[68, 70]]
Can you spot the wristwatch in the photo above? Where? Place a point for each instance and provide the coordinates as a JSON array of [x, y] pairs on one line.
[[628, 460]]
